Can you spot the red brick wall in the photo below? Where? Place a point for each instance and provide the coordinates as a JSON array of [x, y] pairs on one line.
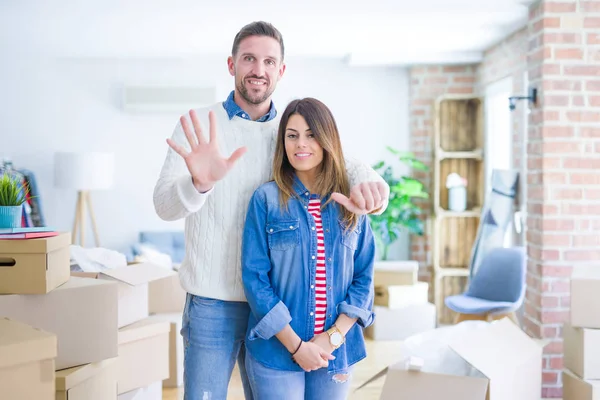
[[426, 84], [563, 180]]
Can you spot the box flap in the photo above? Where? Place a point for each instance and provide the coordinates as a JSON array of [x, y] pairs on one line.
[[378, 375], [143, 329], [21, 343], [492, 348], [138, 273], [71, 377], [585, 272], [40, 245]]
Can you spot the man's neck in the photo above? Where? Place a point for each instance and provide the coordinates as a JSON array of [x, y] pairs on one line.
[[255, 111]]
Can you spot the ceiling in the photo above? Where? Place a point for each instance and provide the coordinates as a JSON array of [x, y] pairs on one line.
[[378, 32]]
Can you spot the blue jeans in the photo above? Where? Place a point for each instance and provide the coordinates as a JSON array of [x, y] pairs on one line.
[[274, 384], [213, 335]]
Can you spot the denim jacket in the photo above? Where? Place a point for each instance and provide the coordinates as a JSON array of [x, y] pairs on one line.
[[279, 251]]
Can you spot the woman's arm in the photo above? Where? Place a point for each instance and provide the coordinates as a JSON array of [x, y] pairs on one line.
[[359, 299]]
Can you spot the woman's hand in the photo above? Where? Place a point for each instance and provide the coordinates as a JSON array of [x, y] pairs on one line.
[[311, 357], [322, 340]]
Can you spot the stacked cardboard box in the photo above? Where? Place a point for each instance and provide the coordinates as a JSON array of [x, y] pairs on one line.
[[36, 289], [581, 335], [143, 342], [166, 303], [401, 306], [105, 343]]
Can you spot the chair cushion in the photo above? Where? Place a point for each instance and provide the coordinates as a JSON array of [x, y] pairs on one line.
[[473, 305]]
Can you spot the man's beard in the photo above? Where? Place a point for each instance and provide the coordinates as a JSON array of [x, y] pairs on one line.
[[255, 100]]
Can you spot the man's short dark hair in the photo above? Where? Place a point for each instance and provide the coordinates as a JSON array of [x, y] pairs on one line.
[[257, 28]]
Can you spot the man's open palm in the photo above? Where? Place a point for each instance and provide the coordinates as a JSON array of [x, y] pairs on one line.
[[204, 161]]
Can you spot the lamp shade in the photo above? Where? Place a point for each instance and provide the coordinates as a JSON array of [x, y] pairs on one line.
[[84, 171]]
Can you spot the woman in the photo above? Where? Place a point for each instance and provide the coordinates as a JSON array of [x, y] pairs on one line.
[[307, 266]]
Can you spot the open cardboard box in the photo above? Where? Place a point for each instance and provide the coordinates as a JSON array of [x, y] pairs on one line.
[[506, 361], [132, 287]]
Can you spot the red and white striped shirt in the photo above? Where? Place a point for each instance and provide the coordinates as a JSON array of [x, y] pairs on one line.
[[314, 208]]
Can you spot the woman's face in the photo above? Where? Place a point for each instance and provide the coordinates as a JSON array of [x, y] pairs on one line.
[[303, 151]]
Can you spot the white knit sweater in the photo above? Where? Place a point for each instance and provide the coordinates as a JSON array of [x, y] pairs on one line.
[[214, 221]]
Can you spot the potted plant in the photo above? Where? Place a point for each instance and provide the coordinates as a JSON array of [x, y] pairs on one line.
[[401, 214], [13, 193]]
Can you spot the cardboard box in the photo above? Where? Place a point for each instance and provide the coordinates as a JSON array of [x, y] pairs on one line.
[[398, 324], [393, 273], [26, 361], [402, 296], [575, 388], [166, 295], [96, 381], [150, 392], [585, 302], [508, 365], [82, 313], [143, 354], [175, 348], [34, 266], [133, 288], [582, 351]]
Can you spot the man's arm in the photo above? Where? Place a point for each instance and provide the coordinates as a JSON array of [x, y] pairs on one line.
[[369, 192], [175, 196], [192, 167]]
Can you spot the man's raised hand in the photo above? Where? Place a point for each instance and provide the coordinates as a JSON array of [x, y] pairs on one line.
[[204, 161]]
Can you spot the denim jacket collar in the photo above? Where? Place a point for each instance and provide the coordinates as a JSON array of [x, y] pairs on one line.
[[302, 192]]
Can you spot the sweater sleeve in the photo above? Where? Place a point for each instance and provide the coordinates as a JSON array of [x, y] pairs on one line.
[[175, 196], [359, 172]]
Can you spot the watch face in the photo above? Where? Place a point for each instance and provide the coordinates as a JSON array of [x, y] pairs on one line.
[[336, 338]]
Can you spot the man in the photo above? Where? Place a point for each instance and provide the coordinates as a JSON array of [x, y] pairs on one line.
[[212, 193]]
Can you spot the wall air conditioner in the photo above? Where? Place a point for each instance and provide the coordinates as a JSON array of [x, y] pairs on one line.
[[163, 98]]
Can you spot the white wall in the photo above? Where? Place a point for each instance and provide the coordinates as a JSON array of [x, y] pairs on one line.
[[74, 105]]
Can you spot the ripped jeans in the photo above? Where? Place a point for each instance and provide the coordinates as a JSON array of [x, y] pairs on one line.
[[213, 337], [273, 384]]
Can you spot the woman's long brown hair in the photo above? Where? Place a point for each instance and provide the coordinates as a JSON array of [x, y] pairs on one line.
[[332, 176]]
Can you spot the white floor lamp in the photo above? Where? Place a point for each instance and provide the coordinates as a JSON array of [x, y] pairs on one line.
[[83, 172]]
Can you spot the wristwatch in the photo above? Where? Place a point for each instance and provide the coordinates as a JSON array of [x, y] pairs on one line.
[[335, 337]]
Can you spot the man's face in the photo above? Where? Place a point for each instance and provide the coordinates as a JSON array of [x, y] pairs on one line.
[[257, 67]]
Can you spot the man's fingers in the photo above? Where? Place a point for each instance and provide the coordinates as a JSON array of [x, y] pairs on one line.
[[176, 148], [235, 156], [377, 196], [188, 132], [357, 198], [212, 127], [197, 127], [368, 196]]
